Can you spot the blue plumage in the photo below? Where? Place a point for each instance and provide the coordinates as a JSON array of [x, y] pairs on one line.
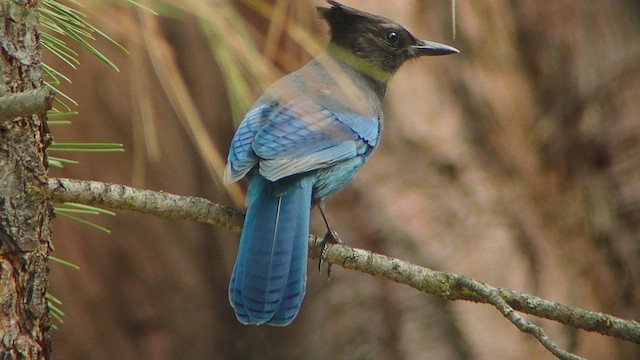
[[268, 280], [304, 140], [294, 155]]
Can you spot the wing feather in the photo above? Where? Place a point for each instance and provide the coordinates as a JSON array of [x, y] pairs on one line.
[[296, 138]]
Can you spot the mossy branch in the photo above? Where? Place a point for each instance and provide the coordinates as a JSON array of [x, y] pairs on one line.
[[26, 103], [158, 203], [443, 284]]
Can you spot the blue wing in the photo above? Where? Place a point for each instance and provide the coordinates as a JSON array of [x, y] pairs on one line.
[[296, 138], [242, 158]]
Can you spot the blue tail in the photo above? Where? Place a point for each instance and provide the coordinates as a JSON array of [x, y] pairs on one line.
[[268, 280]]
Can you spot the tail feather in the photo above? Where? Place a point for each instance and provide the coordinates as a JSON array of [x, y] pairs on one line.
[[292, 298], [268, 280]]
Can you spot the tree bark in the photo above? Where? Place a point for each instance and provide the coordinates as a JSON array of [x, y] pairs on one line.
[[25, 213]]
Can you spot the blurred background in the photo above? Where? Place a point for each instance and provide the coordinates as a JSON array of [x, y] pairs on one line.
[[515, 162]]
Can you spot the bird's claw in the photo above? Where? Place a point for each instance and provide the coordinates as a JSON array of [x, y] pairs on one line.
[[331, 237]]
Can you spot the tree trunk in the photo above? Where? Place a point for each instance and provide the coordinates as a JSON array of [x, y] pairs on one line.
[[25, 213]]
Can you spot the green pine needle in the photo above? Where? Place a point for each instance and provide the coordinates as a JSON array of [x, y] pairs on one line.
[[63, 95], [56, 164], [69, 22], [55, 113], [59, 149], [63, 160], [53, 299], [92, 145], [55, 316], [90, 208], [86, 147], [77, 211], [54, 75], [59, 162], [137, 4], [56, 310], [86, 222], [71, 61], [63, 262]]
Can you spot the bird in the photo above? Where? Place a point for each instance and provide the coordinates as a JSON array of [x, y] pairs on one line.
[[303, 141]]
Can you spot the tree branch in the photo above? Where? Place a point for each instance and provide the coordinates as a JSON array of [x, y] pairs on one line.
[[445, 285], [493, 296], [158, 203], [457, 287], [36, 101]]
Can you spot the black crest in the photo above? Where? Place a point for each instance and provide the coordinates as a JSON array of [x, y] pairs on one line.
[[341, 18]]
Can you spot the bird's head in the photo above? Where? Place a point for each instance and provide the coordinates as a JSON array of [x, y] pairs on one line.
[[380, 42]]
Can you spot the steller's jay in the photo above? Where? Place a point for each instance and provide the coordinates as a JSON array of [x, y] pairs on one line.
[[304, 140]]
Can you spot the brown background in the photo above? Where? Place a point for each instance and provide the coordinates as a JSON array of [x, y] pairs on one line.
[[515, 162]]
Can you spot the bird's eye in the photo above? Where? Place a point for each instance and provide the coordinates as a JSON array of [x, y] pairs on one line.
[[392, 37]]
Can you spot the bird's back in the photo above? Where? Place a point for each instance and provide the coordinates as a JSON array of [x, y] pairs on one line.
[[331, 83]]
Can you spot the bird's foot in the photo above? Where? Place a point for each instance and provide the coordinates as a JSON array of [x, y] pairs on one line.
[[331, 237]]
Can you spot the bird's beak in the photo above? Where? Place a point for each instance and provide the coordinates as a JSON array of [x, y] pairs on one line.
[[430, 48]]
